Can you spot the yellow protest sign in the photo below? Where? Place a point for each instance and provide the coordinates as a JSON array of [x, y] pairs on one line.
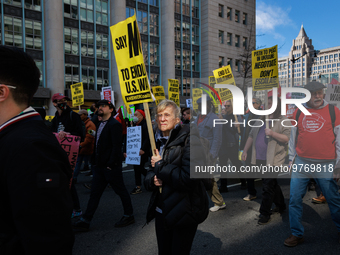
[[212, 82], [158, 92], [264, 69], [49, 117], [77, 92], [133, 79], [224, 75], [196, 94], [173, 90]]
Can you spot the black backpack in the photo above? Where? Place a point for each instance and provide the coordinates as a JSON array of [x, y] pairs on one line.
[[331, 113]]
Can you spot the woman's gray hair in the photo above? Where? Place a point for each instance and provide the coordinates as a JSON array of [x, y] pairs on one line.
[[166, 103]]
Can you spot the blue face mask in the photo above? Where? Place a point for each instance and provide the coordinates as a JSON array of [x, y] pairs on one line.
[[62, 106]]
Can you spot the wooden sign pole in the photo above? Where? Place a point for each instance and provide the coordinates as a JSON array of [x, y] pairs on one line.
[[150, 130]]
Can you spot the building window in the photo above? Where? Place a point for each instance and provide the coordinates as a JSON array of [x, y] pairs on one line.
[[33, 5], [245, 18], [220, 10], [186, 32], [237, 16], [33, 34], [178, 6], [71, 9], [220, 36], [129, 12], [154, 79], [87, 77], [177, 58], [153, 2], [102, 46], [237, 65], [244, 42], [71, 75], [220, 61], [102, 78], [101, 12], [86, 10], [195, 61], [186, 60], [228, 13], [230, 62], [195, 8], [71, 40], [229, 39], [13, 2], [195, 35], [145, 53], [154, 54], [186, 86], [13, 31], [186, 7], [177, 30], [87, 43], [154, 24], [237, 41], [142, 18]]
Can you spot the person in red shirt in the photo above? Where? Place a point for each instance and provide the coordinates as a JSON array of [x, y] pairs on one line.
[[314, 152]]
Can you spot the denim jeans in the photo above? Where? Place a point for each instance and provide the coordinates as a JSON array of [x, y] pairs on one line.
[[298, 187]]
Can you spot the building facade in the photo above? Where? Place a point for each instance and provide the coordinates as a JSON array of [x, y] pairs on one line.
[[228, 35], [305, 63], [70, 40]]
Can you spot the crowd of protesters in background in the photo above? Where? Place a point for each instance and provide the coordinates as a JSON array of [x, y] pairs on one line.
[[177, 202]]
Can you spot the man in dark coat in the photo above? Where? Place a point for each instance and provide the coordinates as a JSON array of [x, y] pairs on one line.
[[107, 168], [35, 172]]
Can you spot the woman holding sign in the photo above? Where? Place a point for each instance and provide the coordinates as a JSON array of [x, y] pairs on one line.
[[178, 203]]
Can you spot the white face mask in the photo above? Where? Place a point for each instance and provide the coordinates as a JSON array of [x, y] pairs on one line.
[[135, 119]]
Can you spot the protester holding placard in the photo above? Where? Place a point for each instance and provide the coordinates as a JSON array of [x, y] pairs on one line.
[[35, 199], [182, 202], [67, 122], [144, 152], [107, 164]]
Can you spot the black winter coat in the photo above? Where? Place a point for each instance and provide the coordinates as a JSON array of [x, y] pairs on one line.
[[34, 213], [108, 150], [183, 200], [73, 126]]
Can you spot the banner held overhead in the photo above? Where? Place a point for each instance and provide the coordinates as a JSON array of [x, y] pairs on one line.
[[265, 69], [133, 78]]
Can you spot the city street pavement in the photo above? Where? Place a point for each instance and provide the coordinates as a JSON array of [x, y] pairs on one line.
[[230, 231]]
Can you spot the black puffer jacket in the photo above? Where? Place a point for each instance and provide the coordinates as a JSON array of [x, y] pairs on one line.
[[183, 200]]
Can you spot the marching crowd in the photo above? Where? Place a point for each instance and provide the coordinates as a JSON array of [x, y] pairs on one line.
[[37, 182]]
